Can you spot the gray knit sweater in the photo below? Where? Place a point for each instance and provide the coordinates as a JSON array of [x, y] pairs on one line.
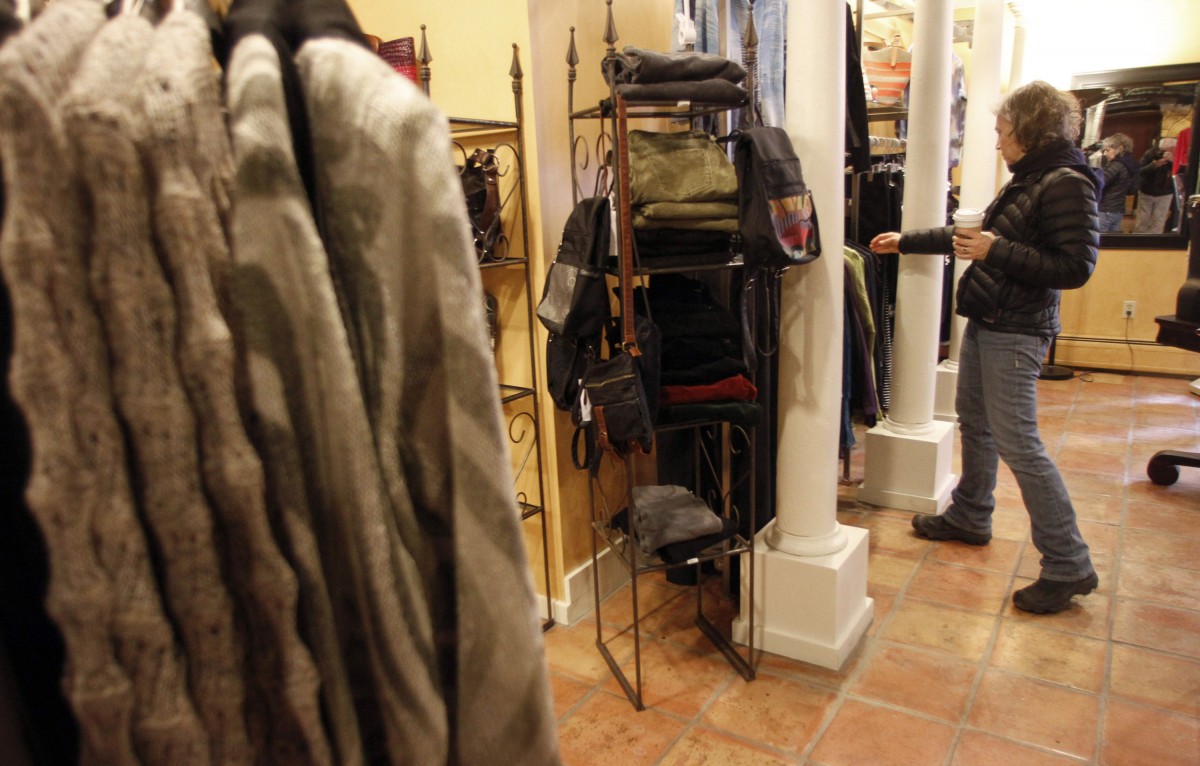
[[400, 247], [178, 85], [305, 390]]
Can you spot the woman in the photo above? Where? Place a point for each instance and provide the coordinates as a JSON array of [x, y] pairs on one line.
[[1039, 237], [1120, 180]]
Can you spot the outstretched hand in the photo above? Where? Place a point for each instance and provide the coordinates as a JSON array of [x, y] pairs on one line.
[[885, 243]]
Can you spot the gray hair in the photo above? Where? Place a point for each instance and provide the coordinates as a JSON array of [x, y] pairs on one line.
[[1119, 141], [1040, 114]]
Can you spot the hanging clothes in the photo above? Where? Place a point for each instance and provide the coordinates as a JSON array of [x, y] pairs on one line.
[[179, 82], [78, 489], [297, 424], [433, 400]]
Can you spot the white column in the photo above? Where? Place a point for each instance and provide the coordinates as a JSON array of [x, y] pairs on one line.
[[810, 582], [978, 167], [908, 454]]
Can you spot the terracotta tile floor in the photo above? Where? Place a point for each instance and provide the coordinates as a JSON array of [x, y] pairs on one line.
[[948, 673]]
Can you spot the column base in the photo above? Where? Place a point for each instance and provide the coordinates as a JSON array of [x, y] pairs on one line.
[[810, 608], [943, 397], [910, 472]]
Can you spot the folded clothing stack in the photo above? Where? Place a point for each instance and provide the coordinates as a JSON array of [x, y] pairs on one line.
[[703, 373], [681, 180], [673, 523], [642, 75]]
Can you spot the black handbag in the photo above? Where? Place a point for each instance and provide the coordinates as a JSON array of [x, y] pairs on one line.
[[614, 398], [480, 176], [567, 359], [778, 220], [615, 401]]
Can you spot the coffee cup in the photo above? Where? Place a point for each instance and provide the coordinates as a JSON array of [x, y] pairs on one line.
[[968, 219]]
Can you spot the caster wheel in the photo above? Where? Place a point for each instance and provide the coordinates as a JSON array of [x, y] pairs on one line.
[[1161, 472]]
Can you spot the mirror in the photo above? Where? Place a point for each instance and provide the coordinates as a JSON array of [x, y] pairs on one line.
[[1151, 105]]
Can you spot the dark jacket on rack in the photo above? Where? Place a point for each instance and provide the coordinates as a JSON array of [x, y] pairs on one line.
[[1044, 220]]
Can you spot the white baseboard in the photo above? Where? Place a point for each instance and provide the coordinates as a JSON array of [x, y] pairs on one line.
[[579, 599]]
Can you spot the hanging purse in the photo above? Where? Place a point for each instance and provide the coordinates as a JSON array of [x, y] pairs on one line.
[[480, 176], [613, 398]]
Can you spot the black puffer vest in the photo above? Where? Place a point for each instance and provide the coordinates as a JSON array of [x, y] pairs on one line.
[[1045, 224]]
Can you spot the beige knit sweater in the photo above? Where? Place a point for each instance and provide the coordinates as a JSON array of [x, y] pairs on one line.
[[177, 88], [139, 318], [102, 591]]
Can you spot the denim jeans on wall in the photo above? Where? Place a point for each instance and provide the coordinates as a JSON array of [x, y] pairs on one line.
[[1110, 221], [997, 412]]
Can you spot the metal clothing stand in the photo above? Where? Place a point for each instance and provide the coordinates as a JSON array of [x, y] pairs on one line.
[[730, 438]]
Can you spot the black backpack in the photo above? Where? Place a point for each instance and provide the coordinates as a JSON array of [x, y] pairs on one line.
[[574, 300], [574, 305], [778, 221]]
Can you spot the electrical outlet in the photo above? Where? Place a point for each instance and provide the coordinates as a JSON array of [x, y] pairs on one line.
[[1127, 309]]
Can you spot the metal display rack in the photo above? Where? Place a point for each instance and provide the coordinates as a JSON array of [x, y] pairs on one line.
[[716, 442]]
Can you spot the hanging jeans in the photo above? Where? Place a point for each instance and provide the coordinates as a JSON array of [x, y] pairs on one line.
[[997, 412]]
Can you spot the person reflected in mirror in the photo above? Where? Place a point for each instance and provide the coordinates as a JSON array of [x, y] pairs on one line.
[[1038, 237], [1120, 180], [1156, 191]]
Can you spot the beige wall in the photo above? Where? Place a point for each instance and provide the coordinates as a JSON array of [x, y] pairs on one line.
[[1065, 37], [1095, 335]]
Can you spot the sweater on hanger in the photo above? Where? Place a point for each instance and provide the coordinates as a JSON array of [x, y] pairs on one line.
[[304, 390], [396, 223], [177, 86], [101, 591], [137, 312]]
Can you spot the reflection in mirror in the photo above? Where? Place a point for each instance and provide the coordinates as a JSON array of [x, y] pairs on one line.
[[1154, 107]]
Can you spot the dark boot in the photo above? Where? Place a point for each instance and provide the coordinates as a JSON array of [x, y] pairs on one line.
[[937, 528], [1050, 596]]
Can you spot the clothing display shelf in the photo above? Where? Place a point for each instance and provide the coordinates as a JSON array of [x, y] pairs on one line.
[[716, 442], [519, 399]]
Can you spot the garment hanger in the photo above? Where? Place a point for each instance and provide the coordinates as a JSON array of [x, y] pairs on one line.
[[687, 28]]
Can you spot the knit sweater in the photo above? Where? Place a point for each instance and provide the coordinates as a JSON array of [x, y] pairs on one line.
[[179, 82], [101, 591], [137, 311], [304, 389], [397, 231]]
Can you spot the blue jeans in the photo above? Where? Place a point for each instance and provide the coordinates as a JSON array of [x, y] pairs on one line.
[[1110, 221], [997, 412]]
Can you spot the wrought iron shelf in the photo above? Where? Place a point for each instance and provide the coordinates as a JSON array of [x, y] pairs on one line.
[[653, 563], [460, 125], [523, 428], [513, 393], [503, 262], [650, 109], [734, 263]]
